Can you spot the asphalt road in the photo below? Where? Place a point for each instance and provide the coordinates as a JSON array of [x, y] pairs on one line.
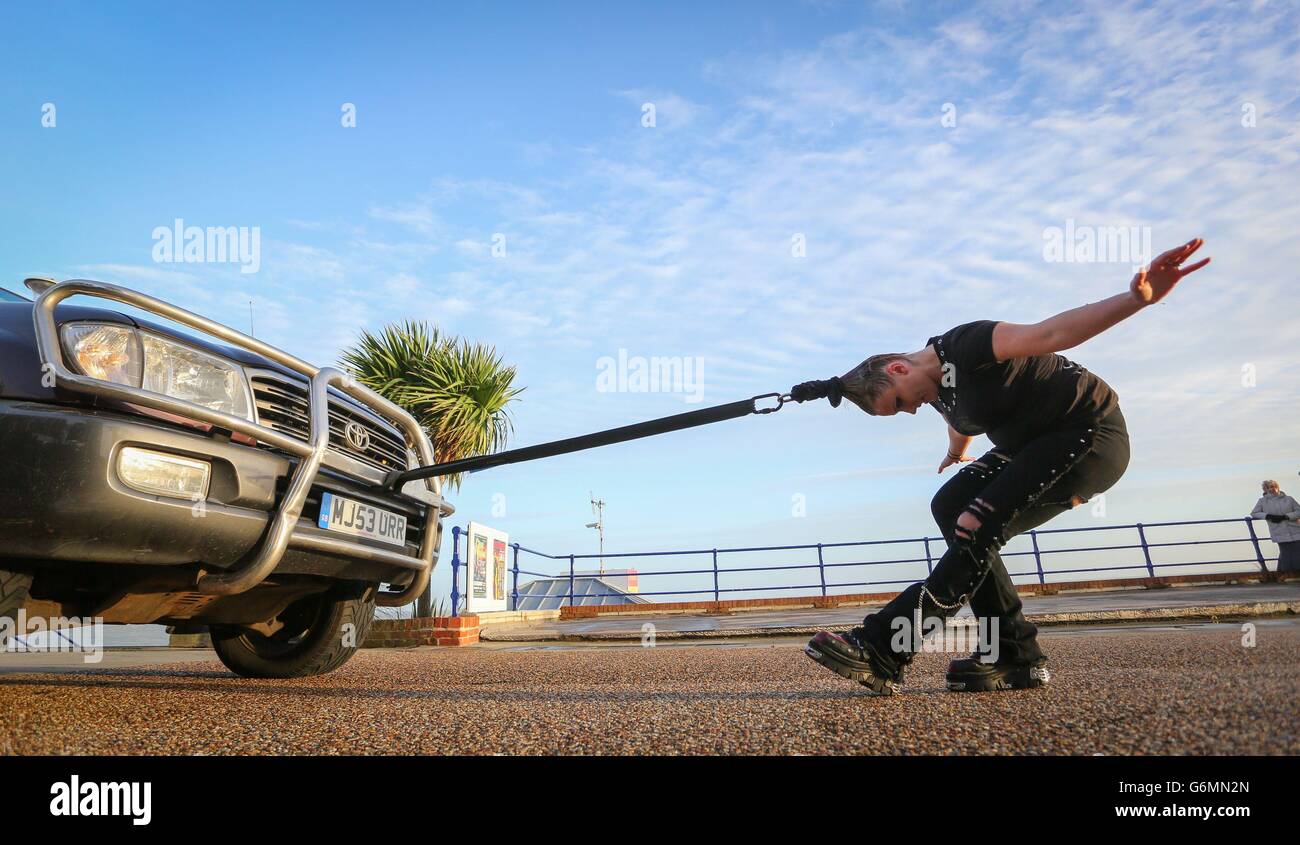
[[1158, 690]]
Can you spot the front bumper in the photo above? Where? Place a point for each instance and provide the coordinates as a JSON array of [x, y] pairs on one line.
[[63, 500], [283, 532]]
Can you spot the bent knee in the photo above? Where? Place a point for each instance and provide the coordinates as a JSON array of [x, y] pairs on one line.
[[945, 508]]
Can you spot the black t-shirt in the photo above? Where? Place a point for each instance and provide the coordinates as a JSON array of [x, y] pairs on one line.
[[1013, 401]]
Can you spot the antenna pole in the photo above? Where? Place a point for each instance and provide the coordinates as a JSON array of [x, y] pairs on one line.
[[598, 508]]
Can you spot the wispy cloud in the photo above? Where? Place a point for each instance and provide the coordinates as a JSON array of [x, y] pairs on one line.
[[799, 209]]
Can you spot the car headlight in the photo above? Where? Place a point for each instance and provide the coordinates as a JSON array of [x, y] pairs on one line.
[[173, 369], [135, 358], [108, 353]]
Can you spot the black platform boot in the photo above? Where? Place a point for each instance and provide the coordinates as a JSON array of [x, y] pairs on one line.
[[970, 674], [854, 658]]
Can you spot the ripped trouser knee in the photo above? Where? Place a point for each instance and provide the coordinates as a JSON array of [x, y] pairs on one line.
[[967, 561]]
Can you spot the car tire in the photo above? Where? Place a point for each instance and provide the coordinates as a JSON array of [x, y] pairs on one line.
[[318, 640], [13, 595]]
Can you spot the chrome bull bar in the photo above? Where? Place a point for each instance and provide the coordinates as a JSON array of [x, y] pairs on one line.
[[280, 535]]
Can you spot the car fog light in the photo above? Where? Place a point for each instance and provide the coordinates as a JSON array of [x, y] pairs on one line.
[[163, 474]]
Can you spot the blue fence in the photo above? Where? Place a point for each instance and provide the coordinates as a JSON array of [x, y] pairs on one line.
[[730, 580]]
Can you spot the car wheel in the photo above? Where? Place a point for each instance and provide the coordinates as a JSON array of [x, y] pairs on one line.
[[320, 633], [13, 594]]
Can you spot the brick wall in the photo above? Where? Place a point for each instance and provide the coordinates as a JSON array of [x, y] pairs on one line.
[[427, 630]]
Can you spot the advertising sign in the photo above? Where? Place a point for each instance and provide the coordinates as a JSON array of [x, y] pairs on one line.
[[487, 565]]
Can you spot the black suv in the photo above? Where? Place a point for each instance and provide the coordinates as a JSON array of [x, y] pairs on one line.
[[148, 476]]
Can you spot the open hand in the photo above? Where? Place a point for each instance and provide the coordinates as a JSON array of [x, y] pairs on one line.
[[1153, 283]]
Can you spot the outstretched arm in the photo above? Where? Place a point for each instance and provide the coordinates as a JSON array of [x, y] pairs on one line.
[[1071, 328]]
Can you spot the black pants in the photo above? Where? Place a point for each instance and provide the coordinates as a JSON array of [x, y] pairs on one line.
[[1009, 492], [1288, 556]]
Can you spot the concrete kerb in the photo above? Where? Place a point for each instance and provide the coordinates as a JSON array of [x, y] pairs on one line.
[[1206, 613], [1211, 611]]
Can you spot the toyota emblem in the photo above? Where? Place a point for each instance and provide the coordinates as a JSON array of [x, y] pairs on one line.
[[358, 437]]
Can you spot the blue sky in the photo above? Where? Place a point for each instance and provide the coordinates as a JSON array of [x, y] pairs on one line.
[[772, 120]]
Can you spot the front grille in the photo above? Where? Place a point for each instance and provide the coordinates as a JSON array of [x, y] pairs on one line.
[[282, 405]]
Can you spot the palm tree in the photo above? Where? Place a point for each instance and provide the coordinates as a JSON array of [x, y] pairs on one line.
[[456, 390]]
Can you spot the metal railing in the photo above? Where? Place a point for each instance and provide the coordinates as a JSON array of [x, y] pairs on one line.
[[928, 551]]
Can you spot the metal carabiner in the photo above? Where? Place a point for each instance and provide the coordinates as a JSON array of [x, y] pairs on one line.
[[781, 399]]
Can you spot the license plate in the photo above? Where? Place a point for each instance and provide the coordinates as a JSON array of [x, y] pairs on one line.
[[349, 516]]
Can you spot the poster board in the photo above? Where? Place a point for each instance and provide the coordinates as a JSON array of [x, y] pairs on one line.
[[487, 565]]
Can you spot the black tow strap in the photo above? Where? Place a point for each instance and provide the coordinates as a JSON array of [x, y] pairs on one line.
[[663, 425]]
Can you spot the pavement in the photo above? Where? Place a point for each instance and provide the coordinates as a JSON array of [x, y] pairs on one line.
[[1136, 605], [1167, 689], [109, 658]]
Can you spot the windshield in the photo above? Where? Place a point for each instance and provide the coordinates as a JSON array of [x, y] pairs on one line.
[[10, 296]]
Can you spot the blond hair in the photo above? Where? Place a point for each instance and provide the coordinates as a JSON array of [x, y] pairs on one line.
[[864, 383]]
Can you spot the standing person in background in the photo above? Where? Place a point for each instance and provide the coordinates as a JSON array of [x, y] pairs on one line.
[[1283, 515]]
